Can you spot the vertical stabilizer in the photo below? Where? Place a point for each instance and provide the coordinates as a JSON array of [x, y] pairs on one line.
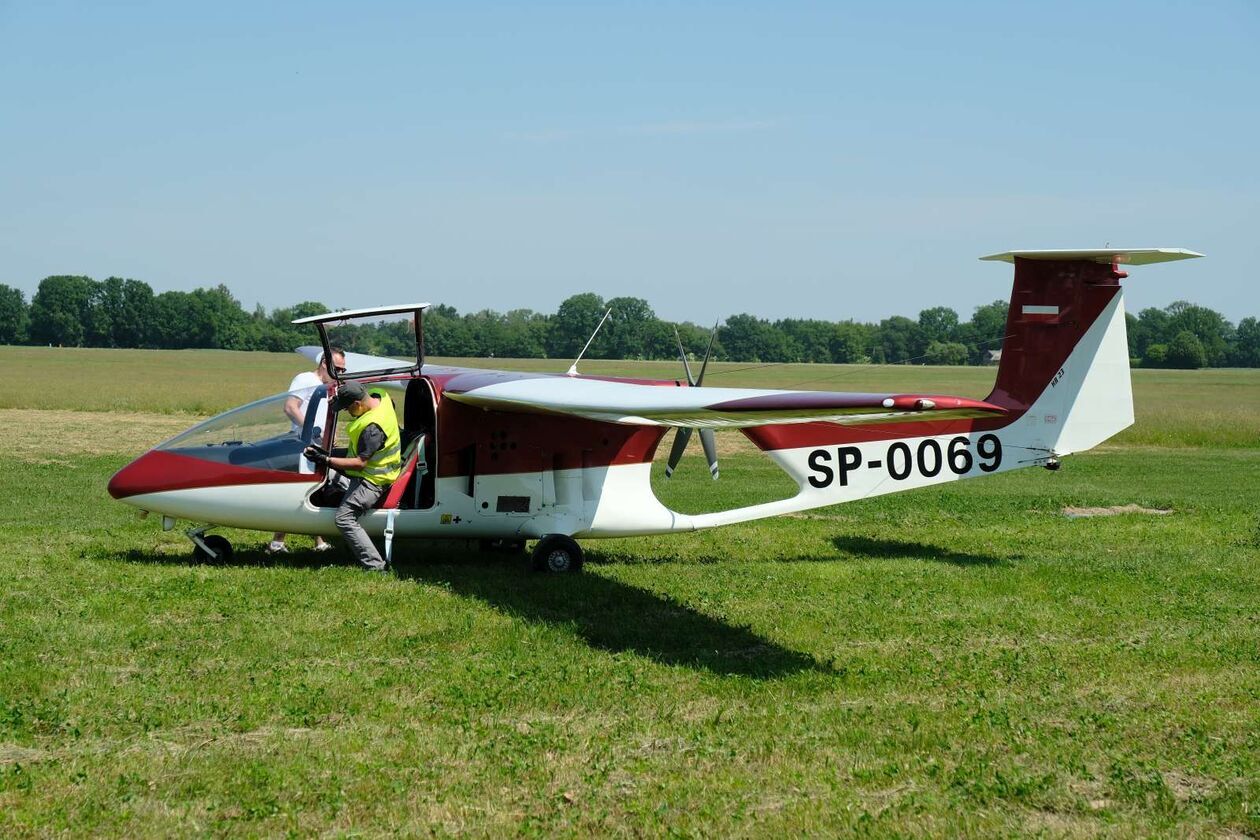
[[1065, 356]]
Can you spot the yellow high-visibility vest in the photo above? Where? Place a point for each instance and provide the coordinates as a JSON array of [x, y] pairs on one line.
[[384, 467]]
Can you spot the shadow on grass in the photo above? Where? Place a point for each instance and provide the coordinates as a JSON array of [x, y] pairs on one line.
[[611, 615], [607, 614], [868, 547], [241, 559]]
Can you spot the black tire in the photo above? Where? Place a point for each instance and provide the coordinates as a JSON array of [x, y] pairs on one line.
[[219, 545], [557, 554]]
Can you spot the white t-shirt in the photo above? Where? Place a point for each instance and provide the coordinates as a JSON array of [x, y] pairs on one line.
[[303, 387]]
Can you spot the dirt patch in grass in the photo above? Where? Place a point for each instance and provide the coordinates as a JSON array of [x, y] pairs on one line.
[[13, 754], [1188, 788], [1114, 510], [63, 435]]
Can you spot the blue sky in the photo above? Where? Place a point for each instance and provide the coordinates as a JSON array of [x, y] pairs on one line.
[[829, 160]]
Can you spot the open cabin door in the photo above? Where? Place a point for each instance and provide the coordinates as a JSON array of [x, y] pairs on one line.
[[420, 424], [402, 326], [393, 318]]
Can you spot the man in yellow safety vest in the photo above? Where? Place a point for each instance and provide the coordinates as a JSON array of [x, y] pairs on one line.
[[373, 462]]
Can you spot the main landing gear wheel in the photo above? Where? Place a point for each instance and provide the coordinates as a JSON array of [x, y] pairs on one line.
[[558, 554], [213, 548]]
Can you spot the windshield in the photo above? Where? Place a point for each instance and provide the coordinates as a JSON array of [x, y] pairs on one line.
[[263, 436], [259, 435]]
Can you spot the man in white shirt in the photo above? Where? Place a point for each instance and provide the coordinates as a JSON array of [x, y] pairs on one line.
[[301, 391]]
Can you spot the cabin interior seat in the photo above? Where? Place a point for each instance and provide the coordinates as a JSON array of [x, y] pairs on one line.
[[392, 498]]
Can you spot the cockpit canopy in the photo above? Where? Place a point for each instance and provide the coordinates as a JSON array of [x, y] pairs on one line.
[[261, 435]]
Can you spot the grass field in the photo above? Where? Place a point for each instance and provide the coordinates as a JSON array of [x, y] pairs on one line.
[[962, 660]]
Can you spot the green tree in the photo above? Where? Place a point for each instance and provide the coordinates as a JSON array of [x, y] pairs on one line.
[[1209, 326], [274, 339], [849, 343], [573, 324], [1246, 349], [985, 331], [279, 334], [940, 324], [945, 353], [810, 339], [740, 336], [209, 318], [14, 315], [447, 334], [523, 335], [126, 306], [1130, 331], [1152, 327], [900, 340], [629, 328], [1185, 351], [695, 340], [226, 326], [61, 307], [172, 321], [747, 338], [486, 327], [658, 341]]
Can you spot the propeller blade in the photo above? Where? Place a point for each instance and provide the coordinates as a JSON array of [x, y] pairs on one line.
[[683, 435], [710, 450], [682, 354], [700, 379], [676, 452]]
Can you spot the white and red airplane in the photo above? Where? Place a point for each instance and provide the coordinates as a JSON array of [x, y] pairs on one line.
[[510, 457]]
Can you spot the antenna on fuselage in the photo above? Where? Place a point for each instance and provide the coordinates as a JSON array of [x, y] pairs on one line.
[[573, 367]]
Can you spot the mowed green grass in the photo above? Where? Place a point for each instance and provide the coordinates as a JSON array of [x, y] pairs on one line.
[[962, 660]]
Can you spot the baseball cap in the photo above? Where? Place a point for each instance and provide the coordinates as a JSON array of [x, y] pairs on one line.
[[349, 392]]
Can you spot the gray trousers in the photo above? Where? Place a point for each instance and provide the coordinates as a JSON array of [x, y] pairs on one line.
[[359, 498]]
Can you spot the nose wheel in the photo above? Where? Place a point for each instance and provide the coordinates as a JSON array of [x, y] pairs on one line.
[[557, 554], [210, 548]]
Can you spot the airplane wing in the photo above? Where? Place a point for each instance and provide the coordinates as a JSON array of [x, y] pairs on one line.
[[641, 404], [665, 404]]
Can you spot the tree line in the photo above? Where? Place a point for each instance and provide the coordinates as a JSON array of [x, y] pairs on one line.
[[76, 311]]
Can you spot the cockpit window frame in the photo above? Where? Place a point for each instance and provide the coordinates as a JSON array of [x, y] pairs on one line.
[[321, 322]]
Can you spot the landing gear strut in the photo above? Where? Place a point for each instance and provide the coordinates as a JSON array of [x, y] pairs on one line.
[[209, 548]]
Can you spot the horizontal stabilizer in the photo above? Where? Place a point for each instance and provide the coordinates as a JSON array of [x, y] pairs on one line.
[[1106, 256]]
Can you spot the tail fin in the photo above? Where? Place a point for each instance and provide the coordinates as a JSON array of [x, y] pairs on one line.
[[1065, 357]]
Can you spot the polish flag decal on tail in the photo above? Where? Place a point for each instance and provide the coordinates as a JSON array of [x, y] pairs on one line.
[[1048, 314]]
